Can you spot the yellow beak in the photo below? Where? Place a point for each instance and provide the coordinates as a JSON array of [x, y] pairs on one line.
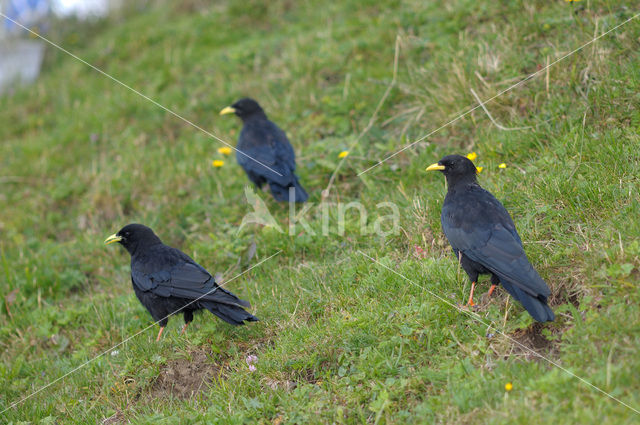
[[435, 167], [228, 110], [113, 238]]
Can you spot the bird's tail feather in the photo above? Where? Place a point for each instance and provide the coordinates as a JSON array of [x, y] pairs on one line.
[[282, 193], [230, 313], [301, 194], [228, 297], [219, 295], [537, 308]]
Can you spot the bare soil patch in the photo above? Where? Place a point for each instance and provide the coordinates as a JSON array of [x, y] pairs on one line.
[[185, 377]]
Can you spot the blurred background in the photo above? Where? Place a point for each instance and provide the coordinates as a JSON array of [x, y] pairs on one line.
[[21, 52]]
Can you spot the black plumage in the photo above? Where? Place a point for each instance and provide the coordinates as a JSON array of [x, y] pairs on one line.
[[168, 281], [484, 238], [264, 152]]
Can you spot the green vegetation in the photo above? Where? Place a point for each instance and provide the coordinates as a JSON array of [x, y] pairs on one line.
[[341, 340]]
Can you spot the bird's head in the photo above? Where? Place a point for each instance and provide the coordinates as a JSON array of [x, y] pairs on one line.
[[456, 168], [133, 236], [244, 108]]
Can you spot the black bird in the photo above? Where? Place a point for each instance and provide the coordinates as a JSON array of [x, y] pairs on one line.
[[485, 240], [264, 152], [168, 281]]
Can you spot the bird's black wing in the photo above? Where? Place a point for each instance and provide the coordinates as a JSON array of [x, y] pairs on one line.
[[264, 142], [168, 272], [476, 224]]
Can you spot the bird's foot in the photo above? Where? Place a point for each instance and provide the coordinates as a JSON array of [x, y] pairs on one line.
[[184, 328], [493, 288], [471, 303], [467, 306], [160, 333]]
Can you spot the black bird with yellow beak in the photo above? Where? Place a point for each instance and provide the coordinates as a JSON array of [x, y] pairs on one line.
[[484, 238], [167, 281], [264, 152]]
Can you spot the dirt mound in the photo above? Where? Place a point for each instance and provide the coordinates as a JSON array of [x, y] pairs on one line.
[[185, 377], [533, 339]]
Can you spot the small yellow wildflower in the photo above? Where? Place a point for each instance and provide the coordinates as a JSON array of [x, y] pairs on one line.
[[503, 165], [217, 163], [479, 169], [508, 386], [225, 150], [343, 154], [472, 156]]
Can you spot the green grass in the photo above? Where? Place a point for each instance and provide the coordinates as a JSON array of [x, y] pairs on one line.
[[341, 340]]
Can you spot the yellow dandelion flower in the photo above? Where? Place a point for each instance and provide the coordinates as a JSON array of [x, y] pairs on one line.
[[479, 169], [503, 165], [343, 154], [217, 163], [225, 150], [472, 156], [508, 386]]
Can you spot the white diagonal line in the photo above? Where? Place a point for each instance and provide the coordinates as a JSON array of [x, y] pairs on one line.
[[501, 93], [417, 141], [133, 336], [175, 114], [477, 318]]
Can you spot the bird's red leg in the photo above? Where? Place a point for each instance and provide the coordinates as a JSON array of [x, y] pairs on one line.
[[160, 333], [471, 303], [184, 328], [493, 287]]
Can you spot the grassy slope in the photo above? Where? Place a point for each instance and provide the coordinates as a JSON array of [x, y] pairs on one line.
[[81, 156]]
